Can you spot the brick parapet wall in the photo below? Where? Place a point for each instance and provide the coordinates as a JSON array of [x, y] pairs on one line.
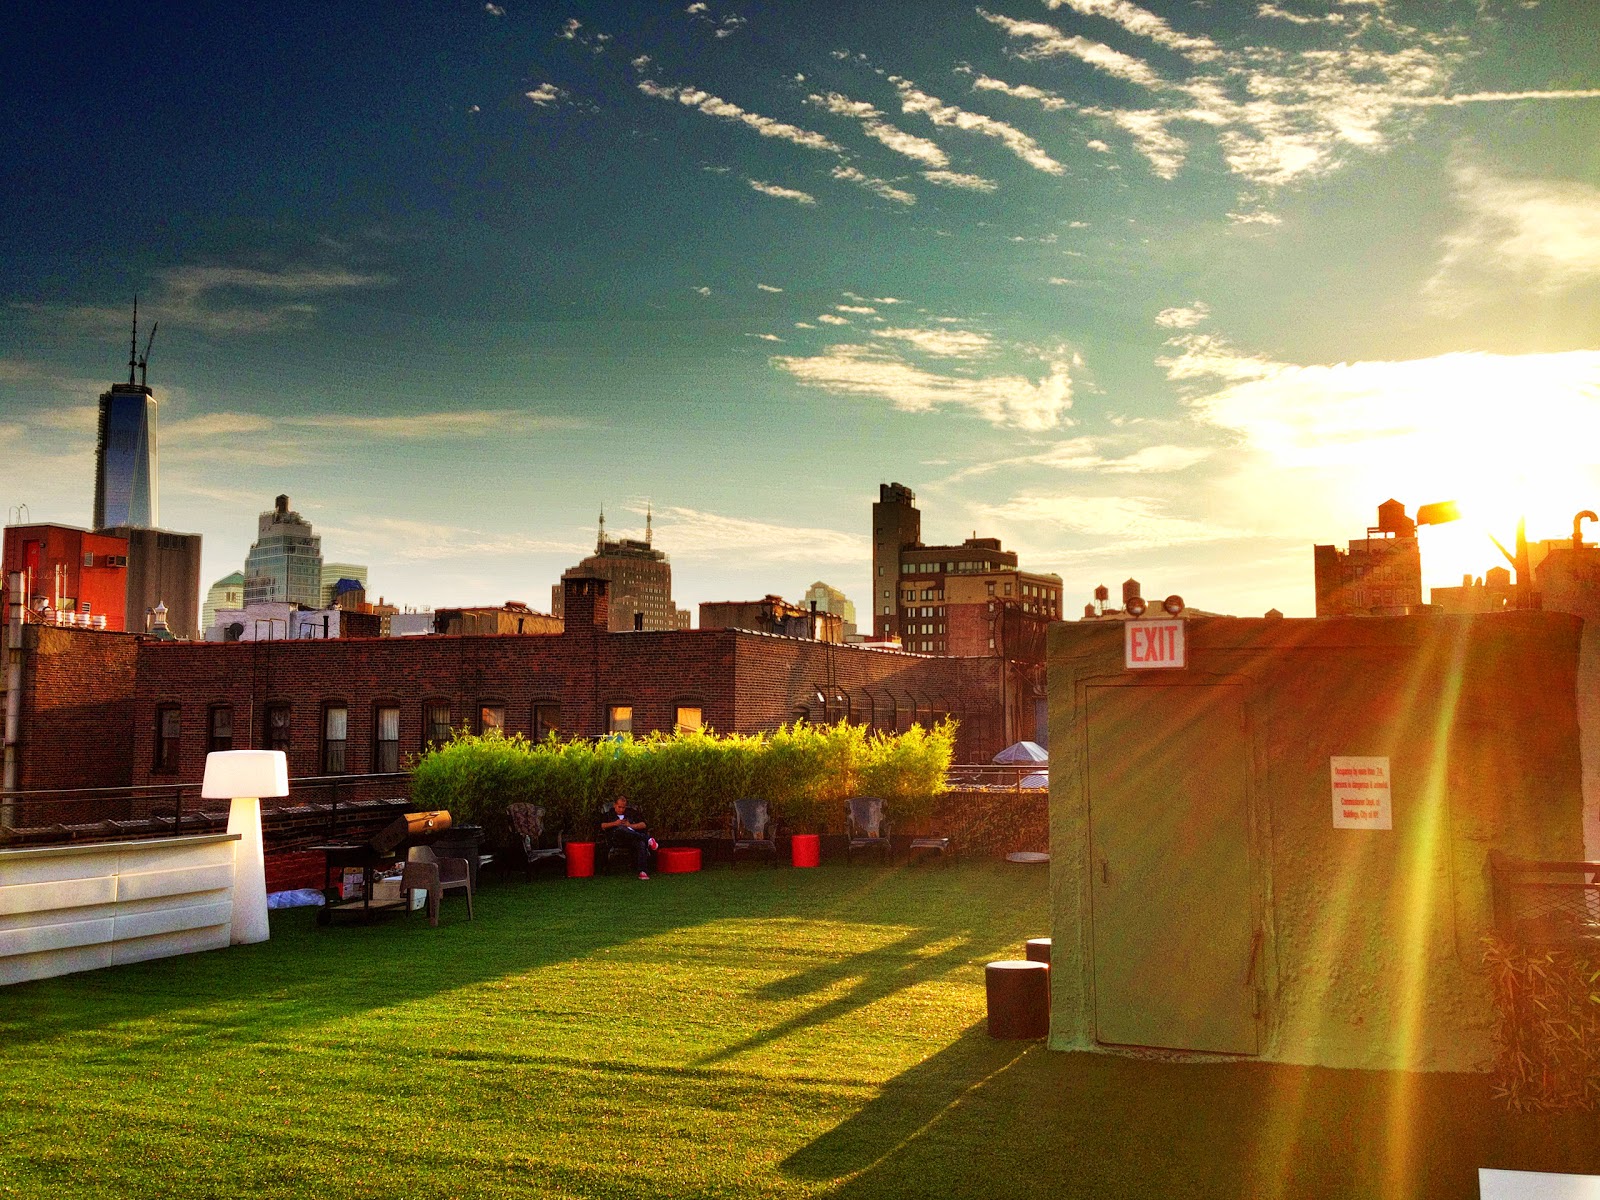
[[742, 682], [77, 708]]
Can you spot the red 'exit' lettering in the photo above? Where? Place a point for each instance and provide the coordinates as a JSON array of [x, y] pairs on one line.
[[1154, 645]]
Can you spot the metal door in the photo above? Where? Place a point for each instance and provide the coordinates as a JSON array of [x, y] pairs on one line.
[[1172, 901]]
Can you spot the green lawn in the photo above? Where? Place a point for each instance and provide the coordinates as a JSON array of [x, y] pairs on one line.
[[752, 1033]]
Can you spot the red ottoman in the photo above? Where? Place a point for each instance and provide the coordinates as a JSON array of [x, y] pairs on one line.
[[677, 860]]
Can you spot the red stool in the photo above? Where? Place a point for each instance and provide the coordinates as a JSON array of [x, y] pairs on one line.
[[677, 860], [805, 849], [580, 860]]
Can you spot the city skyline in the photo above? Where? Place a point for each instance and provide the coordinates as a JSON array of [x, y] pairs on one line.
[[1143, 290]]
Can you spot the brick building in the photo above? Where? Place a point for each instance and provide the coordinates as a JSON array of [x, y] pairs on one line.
[[114, 710], [1379, 575], [946, 599], [773, 614]]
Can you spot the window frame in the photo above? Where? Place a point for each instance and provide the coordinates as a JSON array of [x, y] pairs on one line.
[[167, 751], [268, 740], [430, 726], [214, 742], [385, 748], [614, 723], [335, 751]]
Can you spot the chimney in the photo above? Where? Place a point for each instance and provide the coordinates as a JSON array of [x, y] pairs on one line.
[[586, 604]]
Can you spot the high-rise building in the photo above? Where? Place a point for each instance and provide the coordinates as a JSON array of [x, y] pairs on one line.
[[163, 573], [333, 572], [944, 599], [285, 563], [125, 458], [227, 592], [640, 579], [896, 522]]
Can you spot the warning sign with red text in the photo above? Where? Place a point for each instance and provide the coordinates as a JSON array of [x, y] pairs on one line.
[[1361, 793]]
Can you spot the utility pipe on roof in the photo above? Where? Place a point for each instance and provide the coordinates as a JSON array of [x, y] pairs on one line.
[[8, 782]]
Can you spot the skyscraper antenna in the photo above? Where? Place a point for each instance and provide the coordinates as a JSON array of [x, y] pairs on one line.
[[144, 359], [600, 542], [133, 340], [647, 513]]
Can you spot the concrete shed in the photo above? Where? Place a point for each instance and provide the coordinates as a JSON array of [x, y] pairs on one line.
[[1270, 838]]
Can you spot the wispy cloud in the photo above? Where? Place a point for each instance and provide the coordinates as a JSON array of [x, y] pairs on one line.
[[915, 100], [1543, 235], [1049, 42], [695, 533], [955, 179], [1143, 23], [779, 192], [942, 343], [721, 27], [874, 126], [1022, 91], [546, 94], [1184, 316], [402, 540], [1095, 456], [767, 287], [1131, 522], [715, 106], [878, 187], [867, 370]]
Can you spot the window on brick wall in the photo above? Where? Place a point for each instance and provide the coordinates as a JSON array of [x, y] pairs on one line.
[[219, 728], [491, 715], [335, 736], [275, 728], [619, 718], [690, 718], [386, 740], [546, 720], [435, 723], [169, 724]]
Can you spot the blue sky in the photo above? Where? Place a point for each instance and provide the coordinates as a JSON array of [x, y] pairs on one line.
[[1164, 290]]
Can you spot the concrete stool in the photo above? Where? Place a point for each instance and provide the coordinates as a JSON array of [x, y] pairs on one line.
[[1018, 995], [1039, 950]]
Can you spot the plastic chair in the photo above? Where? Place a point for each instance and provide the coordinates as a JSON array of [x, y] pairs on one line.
[[754, 831], [455, 874], [527, 821], [868, 824]]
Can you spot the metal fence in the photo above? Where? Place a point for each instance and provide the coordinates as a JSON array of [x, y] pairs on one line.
[[1546, 903], [975, 777], [315, 808]]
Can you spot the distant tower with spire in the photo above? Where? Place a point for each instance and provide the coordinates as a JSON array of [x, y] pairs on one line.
[[125, 457], [640, 577]]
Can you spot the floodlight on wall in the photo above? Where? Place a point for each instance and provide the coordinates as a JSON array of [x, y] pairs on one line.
[[1135, 606], [1173, 604], [244, 776]]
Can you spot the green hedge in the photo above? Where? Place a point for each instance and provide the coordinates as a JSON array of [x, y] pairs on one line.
[[687, 781]]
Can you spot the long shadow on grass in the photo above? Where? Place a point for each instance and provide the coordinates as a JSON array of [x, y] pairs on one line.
[[878, 973], [307, 977], [986, 1118]]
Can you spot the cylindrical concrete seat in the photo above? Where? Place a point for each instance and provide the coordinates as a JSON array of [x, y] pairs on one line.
[[1019, 998], [1039, 950]]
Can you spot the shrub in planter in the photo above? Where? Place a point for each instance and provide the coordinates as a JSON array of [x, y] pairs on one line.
[[1547, 1031]]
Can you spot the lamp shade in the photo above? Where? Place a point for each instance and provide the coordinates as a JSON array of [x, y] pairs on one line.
[[257, 773]]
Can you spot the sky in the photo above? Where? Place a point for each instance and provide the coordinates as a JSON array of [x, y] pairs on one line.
[[1170, 291]]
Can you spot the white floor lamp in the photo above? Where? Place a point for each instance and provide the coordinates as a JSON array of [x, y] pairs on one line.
[[244, 776]]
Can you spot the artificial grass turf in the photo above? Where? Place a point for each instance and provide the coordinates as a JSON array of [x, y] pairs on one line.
[[760, 1032]]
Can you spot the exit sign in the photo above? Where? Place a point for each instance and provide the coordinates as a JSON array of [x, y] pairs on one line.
[[1150, 645]]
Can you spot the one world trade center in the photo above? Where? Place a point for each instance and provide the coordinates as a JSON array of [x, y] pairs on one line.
[[125, 456]]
